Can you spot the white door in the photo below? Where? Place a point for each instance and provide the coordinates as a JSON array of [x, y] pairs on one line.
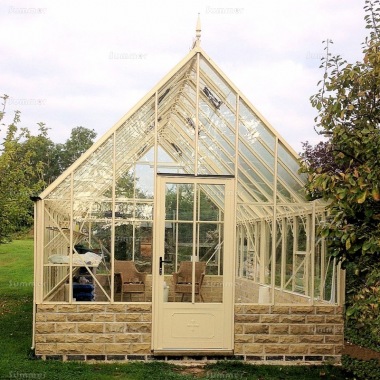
[[193, 264]]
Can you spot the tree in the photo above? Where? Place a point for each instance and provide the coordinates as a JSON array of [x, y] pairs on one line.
[[345, 169], [27, 164], [45, 154], [80, 140], [20, 178]]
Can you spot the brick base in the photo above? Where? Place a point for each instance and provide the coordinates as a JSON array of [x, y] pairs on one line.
[[93, 329], [263, 333], [288, 332]]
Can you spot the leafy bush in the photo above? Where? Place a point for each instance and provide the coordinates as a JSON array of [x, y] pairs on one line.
[[362, 369], [363, 314]]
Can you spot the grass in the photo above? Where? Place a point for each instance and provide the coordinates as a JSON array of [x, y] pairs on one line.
[[16, 296]]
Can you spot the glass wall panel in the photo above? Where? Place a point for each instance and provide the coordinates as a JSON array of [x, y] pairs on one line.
[[56, 258]]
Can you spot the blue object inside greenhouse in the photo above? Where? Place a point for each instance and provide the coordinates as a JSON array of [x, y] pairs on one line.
[[83, 292]]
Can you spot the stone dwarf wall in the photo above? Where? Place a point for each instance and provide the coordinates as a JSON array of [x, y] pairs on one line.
[[123, 332], [117, 331], [300, 333]]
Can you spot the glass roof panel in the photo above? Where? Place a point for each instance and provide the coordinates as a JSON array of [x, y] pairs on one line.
[[254, 126], [62, 191], [254, 188], [176, 115], [226, 93], [94, 176], [217, 119], [135, 137]]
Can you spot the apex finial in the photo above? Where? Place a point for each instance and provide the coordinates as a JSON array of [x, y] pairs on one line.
[[198, 31]]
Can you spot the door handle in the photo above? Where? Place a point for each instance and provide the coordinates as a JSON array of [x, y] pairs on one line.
[[161, 262]]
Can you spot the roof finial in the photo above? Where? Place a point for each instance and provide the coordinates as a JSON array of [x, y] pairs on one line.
[[198, 32]]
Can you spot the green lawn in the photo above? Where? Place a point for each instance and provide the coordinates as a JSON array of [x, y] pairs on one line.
[[16, 294]]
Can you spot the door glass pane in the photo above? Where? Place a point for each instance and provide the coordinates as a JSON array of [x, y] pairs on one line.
[[185, 201], [193, 256], [178, 255], [210, 248]]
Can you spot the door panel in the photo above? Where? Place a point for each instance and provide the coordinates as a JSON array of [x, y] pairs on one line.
[[193, 307]]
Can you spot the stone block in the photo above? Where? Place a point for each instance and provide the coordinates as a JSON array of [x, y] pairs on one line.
[[40, 338], [146, 317], [65, 328], [79, 338], [127, 338], [91, 328], [292, 319], [312, 339], [146, 338], [243, 338], [92, 308], [139, 308], [104, 338], [116, 308], [315, 319], [239, 309], [128, 317], [117, 348], [325, 309], [269, 318], [322, 349], [55, 338], [45, 328], [104, 317], [276, 349], [257, 309], [47, 308], [247, 318], [288, 339], [280, 309], [334, 319], [265, 339], [94, 348], [279, 329], [324, 329], [115, 327], [55, 317], [302, 310], [46, 348], [67, 308], [301, 329], [140, 348], [139, 327], [238, 328], [333, 339], [41, 317], [70, 348], [238, 348], [77, 317], [253, 348], [302, 349], [256, 329]]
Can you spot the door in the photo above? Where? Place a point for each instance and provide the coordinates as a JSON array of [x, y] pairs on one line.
[[193, 275]]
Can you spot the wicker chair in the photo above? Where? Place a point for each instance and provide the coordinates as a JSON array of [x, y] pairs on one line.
[[129, 278], [182, 280]]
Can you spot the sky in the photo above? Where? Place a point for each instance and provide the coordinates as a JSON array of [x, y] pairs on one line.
[[86, 63]]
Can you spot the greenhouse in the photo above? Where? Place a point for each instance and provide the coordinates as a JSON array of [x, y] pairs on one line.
[[185, 231]]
